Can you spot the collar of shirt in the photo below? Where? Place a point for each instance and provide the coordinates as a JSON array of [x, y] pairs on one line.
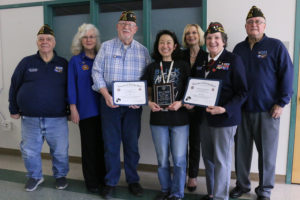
[[257, 43], [53, 59], [216, 57], [83, 56], [122, 46]]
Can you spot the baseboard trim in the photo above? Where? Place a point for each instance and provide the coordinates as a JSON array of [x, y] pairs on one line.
[[141, 167]]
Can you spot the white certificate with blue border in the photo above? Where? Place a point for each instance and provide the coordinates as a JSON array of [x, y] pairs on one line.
[[202, 92], [127, 93]]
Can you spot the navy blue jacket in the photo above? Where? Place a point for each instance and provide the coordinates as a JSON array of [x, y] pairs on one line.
[[39, 89], [230, 69], [269, 71]]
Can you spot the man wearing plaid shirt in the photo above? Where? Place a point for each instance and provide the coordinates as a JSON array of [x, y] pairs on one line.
[[120, 59]]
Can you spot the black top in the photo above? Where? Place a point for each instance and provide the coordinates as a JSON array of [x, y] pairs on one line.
[[201, 56], [179, 77], [230, 69]]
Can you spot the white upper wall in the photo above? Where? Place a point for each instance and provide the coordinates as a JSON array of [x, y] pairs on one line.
[[10, 2]]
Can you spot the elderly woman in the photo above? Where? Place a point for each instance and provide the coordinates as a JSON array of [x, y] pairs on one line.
[[193, 39], [218, 123], [84, 104]]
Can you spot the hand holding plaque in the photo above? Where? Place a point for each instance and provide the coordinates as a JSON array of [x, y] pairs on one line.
[[202, 92]]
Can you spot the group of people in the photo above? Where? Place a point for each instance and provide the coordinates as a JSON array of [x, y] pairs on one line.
[[256, 84]]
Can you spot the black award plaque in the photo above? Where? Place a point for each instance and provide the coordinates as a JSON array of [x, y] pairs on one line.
[[163, 94]]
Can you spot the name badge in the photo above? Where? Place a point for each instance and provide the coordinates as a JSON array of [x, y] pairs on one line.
[[117, 56], [33, 69]]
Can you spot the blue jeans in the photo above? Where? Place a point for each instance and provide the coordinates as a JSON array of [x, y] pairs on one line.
[[122, 124], [55, 131], [174, 139]]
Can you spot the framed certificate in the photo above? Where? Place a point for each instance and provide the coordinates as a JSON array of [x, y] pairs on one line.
[[127, 93], [163, 94], [202, 92]]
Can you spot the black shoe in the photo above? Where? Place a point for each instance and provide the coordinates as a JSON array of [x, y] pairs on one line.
[[237, 192], [93, 189], [107, 192], [191, 188], [136, 189], [162, 196], [263, 198], [174, 198], [207, 197]]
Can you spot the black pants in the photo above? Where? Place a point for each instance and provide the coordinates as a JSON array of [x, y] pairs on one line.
[[92, 152], [194, 145]]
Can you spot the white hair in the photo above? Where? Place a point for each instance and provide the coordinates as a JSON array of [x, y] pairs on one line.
[[77, 47]]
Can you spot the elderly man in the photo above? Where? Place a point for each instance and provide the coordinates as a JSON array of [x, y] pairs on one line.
[[269, 73], [120, 59], [38, 96]]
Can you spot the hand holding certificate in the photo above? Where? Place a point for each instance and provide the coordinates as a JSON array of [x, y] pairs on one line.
[[202, 92], [127, 93]]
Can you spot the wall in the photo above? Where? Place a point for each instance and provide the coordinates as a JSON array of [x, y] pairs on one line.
[[18, 29], [280, 17]]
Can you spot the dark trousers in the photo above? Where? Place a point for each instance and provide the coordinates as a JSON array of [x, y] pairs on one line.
[[92, 151], [122, 124], [194, 145]]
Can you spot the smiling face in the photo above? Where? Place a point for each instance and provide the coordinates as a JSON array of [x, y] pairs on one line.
[[89, 40], [192, 36], [166, 47], [126, 31], [214, 43], [45, 43], [255, 27]]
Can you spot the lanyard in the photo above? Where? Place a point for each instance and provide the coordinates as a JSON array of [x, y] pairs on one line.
[[162, 72]]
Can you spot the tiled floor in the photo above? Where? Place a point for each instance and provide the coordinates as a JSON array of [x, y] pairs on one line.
[[12, 183]]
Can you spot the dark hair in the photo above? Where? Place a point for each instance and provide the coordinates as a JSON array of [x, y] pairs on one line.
[[223, 35], [176, 54]]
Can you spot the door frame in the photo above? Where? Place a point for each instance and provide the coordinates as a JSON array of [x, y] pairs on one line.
[[294, 97]]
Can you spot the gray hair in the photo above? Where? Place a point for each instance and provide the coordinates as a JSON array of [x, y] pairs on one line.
[[77, 47]]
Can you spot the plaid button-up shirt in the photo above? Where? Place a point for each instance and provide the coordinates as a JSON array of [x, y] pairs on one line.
[[115, 62]]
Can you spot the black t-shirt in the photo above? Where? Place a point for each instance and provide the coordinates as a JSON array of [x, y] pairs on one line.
[[179, 76]]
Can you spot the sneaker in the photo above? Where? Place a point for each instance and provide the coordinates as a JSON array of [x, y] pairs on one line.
[[61, 183], [32, 184]]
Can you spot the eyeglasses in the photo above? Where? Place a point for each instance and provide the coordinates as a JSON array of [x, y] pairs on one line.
[[127, 24], [258, 22], [91, 37]]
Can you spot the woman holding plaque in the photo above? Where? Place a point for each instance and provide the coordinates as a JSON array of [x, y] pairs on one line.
[[193, 39], [219, 122], [84, 105], [166, 78]]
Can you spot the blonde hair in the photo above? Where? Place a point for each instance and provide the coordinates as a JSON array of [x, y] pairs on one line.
[[77, 47], [200, 33]]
